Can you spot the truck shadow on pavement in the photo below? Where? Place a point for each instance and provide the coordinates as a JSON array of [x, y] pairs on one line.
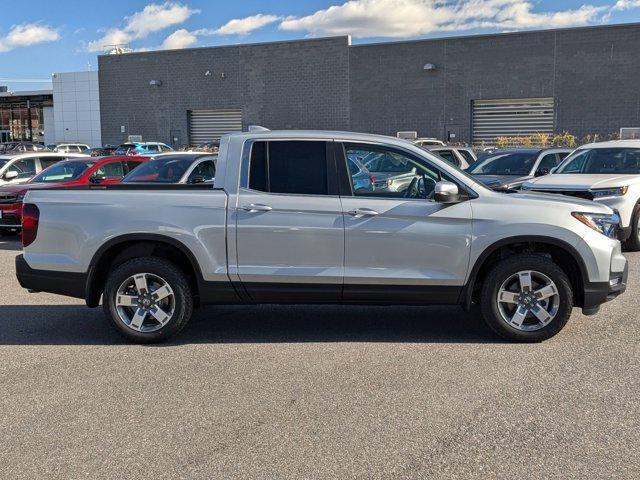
[[78, 325]]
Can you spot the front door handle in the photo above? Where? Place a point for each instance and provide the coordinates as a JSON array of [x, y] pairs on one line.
[[257, 207], [363, 212]]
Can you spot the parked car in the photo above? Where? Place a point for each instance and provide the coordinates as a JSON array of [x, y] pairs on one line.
[[283, 224], [21, 147], [176, 168], [461, 157], [361, 178], [69, 147], [607, 172], [428, 142], [19, 168], [510, 168], [388, 171], [101, 151], [67, 173], [142, 148]]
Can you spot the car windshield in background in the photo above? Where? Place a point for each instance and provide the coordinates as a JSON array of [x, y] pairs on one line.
[[603, 160], [124, 149], [63, 172], [164, 170], [505, 164]]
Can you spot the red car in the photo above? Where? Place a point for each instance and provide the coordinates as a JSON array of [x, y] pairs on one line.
[[68, 173]]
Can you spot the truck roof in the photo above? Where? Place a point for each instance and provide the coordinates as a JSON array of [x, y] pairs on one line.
[[321, 135]]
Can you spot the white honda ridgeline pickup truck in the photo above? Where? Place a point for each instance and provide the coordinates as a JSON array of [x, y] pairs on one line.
[[285, 223]]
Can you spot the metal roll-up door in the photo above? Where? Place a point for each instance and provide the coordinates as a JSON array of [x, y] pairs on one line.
[[208, 125], [512, 118]]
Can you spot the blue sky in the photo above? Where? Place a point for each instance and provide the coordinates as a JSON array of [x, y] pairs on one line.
[[67, 35]]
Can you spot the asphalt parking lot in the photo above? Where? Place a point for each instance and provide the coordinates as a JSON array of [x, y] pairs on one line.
[[331, 392]]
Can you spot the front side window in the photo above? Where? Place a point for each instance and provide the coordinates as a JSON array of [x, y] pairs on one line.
[[391, 174], [549, 161], [47, 162], [204, 172], [289, 167], [26, 168], [110, 171], [448, 157], [505, 164], [603, 160]]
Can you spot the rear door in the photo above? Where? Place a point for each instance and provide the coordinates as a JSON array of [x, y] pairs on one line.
[[400, 245], [290, 227]]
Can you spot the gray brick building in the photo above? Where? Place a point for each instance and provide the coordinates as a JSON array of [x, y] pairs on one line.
[[581, 80]]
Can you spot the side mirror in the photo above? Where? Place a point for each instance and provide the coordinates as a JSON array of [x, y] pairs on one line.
[[97, 179], [11, 175], [446, 192], [197, 179], [542, 172]]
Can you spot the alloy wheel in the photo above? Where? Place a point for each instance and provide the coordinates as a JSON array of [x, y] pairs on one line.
[[528, 300], [145, 302]]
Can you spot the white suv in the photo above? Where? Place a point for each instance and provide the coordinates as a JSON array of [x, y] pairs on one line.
[[607, 172]]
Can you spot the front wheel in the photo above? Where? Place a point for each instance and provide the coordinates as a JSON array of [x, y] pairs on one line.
[[526, 298], [148, 300]]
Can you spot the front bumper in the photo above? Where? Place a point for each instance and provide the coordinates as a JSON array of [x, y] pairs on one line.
[[60, 283], [597, 293]]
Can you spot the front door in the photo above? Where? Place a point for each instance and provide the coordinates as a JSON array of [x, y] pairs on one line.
[[400, 245], [290, 227]]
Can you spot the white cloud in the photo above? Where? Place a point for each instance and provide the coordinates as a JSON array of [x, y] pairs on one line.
[[152, 18], [407, 18], [626, 4], [244, 26], [27, 34], [182, 38]]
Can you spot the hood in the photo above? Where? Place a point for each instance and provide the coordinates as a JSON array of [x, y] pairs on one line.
[[496, 181], [573, 203], [581, 181]]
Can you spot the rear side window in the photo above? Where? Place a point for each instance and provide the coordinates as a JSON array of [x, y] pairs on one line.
[[290, 167], [467, 156], [449, 157], [47, 162]]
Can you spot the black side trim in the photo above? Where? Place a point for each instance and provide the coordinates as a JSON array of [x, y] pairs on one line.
[[209, 292], [145, 186], [60, 283], [401, 294], [294, 293], [467, 292]]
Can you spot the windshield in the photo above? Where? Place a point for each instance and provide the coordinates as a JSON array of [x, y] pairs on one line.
[[63, 172], [505, 164], [164, 170], [603, 160]]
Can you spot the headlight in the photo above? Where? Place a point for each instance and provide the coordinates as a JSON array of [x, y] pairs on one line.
[[609, 192], [605, 224], [20, 197]]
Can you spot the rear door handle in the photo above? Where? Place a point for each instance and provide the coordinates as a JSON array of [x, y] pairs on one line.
[[257, 207], [363, 212]]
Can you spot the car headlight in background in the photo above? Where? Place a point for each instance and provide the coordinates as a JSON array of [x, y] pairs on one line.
[[600, 222], [609, 192]]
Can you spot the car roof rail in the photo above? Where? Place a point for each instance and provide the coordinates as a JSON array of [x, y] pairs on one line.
[[257, 128]]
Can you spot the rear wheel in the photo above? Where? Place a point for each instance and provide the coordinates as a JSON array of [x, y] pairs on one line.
[[633, 243], [148, 300], [526, 298]]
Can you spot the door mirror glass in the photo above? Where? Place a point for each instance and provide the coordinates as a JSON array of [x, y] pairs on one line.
[[446, 192], [197, 179], [542, 172], [96, 178], [11, 175]]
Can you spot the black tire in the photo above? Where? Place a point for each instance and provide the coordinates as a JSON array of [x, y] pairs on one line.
[[633, 242], [509, 267], [174, 277]]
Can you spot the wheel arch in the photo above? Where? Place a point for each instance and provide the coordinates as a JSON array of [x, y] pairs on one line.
[[125, 247], [572, 264]]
